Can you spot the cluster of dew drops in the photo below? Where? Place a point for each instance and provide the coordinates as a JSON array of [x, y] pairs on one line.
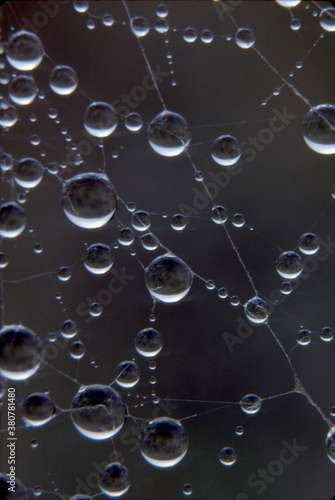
[[89, 201]]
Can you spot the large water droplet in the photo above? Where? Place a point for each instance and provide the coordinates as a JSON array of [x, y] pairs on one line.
[[37, 409], [12, 220], [24, 50], [245, 38], [257, 310], [327, 19], [226, 150], [22, 90], [139, 26], [309, 243], [289, 265], [148, 342], [63, 80], [114, 480], [8, 114], [127, 374], [319, 129], [100, 119], [28, 173], [169, 134], [250, 404], [98, 258]]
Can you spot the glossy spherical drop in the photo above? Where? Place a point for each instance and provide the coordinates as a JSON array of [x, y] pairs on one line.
[[327, 19], [133, 122], [190, 35], [330, 445], [226, 150], [289, 4], [319, 129], [95, 309], [179, 222], [114, 480], [4, 260], [169, 134], [163, 442], [69, 329], [244, 38], [126, 236], [219, 214], [140, 220], [12, 220], [22, 90], [257, 310], [139, 26], [239, 431], [81, 6], [8, 114], [24, 50], [148, 342], [89, 200], [304, 337], [77, 350], [80, 497], [162, 10], [6, 161], [127, 374], [28, 173], [309, 243], [64, 273], [238, 220], [149, 242], [187, 489], [250, 404], [100, 119], [21, 352], [20, 492], [37, 409], [295, 24], [98, 412], [162, 26], [63, 80], [207, 36], [286, 288], [327, 334], [98, 258], [227, 456], [168, 278], [289, 265]]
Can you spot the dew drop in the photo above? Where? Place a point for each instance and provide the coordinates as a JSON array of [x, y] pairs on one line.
[[63, 80], [77, 350], [250, 404], [309, 243], [148, 342], [244, 38], [179, 222], [327, 19], [304, 337], [319, 129], [133, 122], [190, 35], [64, 274], [289, 265], [227, 456], [226, 150], [139, 26], [114, 480], [141, 221], [95, 309], [37, 409], [12, 220], [219, 214], [100, 119], [187, 489], [126, 237], [238, 220], [69, 329], [127, 374], [22, 90], [24, 50], [149, 242], [98, 258], [80, 6], [168, 134], [257, 310], [327, 334]]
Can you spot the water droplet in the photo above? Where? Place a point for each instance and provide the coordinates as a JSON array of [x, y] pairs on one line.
[[6, 161], [327, 334], [3, 260], [37, 491], [210, 285], [35, 140], [257, 310], [77, 350], [327, 19], [308, 243], [245, 38], [21, 352], [100, 119], [250, 404], [295, 24], [162, 10], [12, 220], [304, 337], [227, 456], [98, 258], [139, 26], [163, 442], [114, 480], [141, 220], [80, 6], [168, 134], [239, 431], [332, 411], [33, 443], [234, 301], [207, 36], [219, 214], [133, 122], [187, 489], [238, 220], [126, 236], [289, 265], [89, 200], [68, 329], [152, 365], [222, 293], [148, 342], [168, 278], [226, 150], [199, 176], [22, 90], [64, 273], [37, 409], [289, 4], [127, 374], [8, 114], [98, 412], [24, 50], [96, 309], [63, 80], [330, 444], [52, 113], [286, 288], [52, 337], [318, 129], [149, 242], [153, 380], [162, 26], [28, 173], [179, 222], [190, 35]]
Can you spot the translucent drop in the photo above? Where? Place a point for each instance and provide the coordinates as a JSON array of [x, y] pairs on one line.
[[152, 365], [289, 4], [245, 38], [207, 36], [168, 278], [37, 491], [90, 24], [149, 242], [295, 24], [28, 173], [190, 35], [148, 342], [21, 352], [127, 374], [210, 285], [64, 274], [80, 6], [309, 243], [141, 220], [227, 456], [8, 114], [319, 129], [179, 222], [33, 443], [6, 161], [100, 119], [24, 50], [234, 301], [289, 265], [139, 26], [153, 380], [98, 258], [52, 337], [298, 65], [162, 10], [89, 200], [4, 77], [250, 404], [226, 150], [187, 489], [168, 134], [12, 220], [37, 409], [222, 293], [114, 480], [98, 412], [20, 490], [199, 176], [63, 80], [22, 90], [257, 310], [330, 445], [35, 140], [286, 288], [163, 442], [162, 26], [52, 113], [239, 431], [133, 122], [327, 19], [77, 350], [80, 497], [238, 220], [327, 334], [69, 329], [126, 236], [332, 411], [219, 214], [96, 309], [304, 337], [3, 260]]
